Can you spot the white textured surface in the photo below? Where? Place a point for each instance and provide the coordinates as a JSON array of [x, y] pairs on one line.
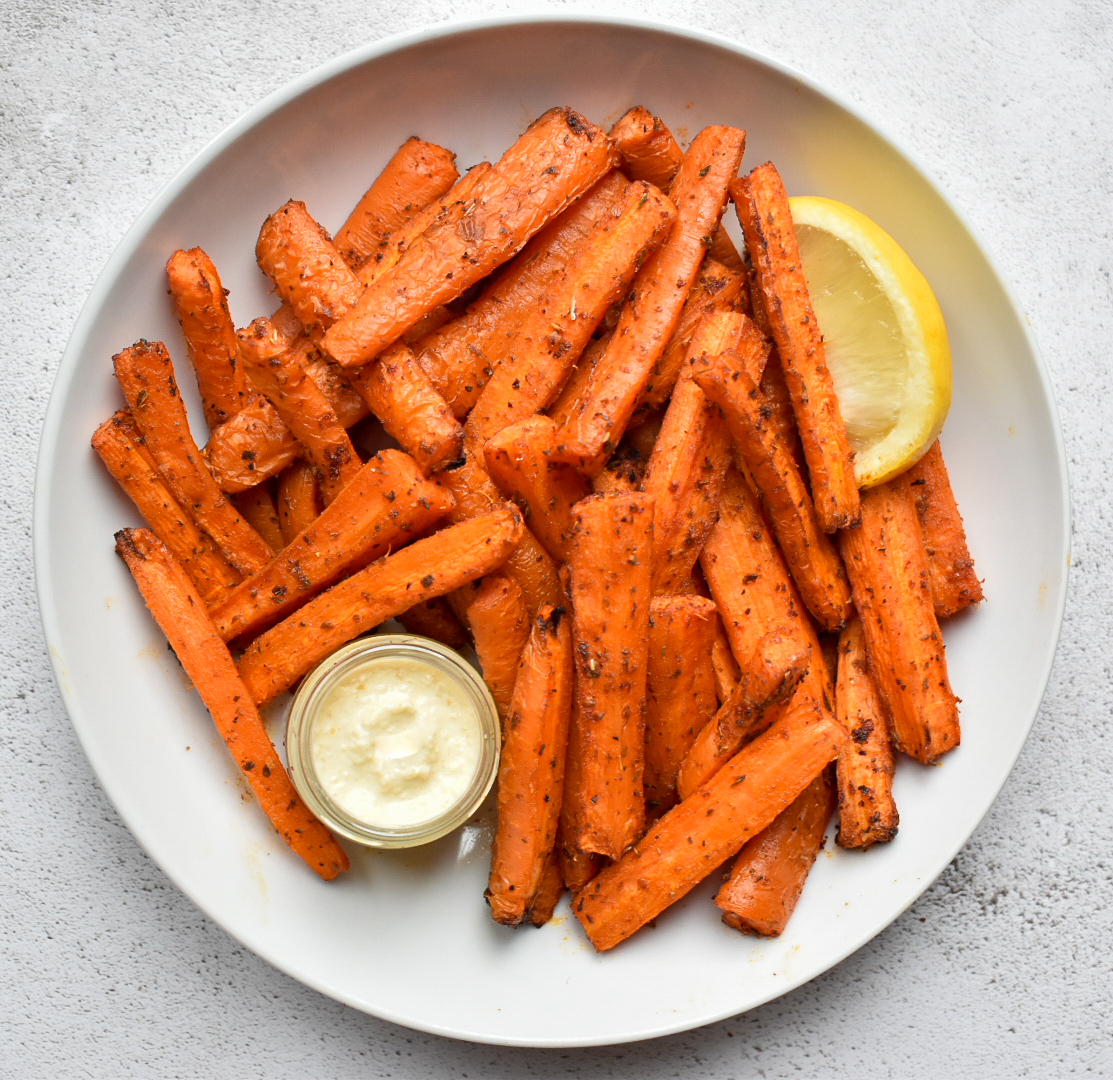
[[1002, 968]]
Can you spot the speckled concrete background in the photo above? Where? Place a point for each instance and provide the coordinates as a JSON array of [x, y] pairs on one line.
[[1002, 969]]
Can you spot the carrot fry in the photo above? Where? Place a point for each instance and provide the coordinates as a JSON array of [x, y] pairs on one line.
[[954, 585], [768, 876], [727, 672], [435, 619], [531, 364], [649, 150], [175, 606], [694, 838], [891, 586], [146, 376], [611, 546], [405, 401], [417, 174], [461, 356], [117, 443], [649, 317], [558, 158], [388, 502], [549, 891], [867, 813], [518, 461], [298, 499], [763, 212], [258, 509], [250, 447], [210, 336], [531, 769], [680, 690], [769, 678], [624, 471], [500, 627], [280, 376], [577, 868], [429, 567], [810, 555]]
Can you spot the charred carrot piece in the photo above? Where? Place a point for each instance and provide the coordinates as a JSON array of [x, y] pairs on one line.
[[611, 548], [387, 503], [500, 627], [435, 619], [299, 499], [624, 471], [462, 355], [210, 336], [177, 609], [404, 400], [531, 769], [418, 173], [954, 584], [864, 774], [811, 556], [891, 586], [117, 443], [713, 823], [766, 220], [768, 876], [518, 460], [146, 376], [649, 317], [278, 374], [558, 158], [258, 509], [429, 567], [680, 690]]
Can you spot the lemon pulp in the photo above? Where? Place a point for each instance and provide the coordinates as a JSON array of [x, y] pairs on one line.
[[883, 332]]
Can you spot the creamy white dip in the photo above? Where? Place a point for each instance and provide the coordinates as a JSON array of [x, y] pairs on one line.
[[396, 742]]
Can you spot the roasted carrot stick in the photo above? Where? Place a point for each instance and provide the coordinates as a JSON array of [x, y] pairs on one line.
[[418, 173], [280, 376], [768, 876], [531, 769], [429, 567], [250, 447], [649, 317], [891, 586], [680, 690], [299, 499], [387, 503], [461, 355], [867, 813], [763, 212], [696, 835], [517, 459], [810, 555], [210, 336], [435, 619], [558, 158], [727, 672], [258, 509], [611, 547], [177, 609], [117, 443], [405, 401], [146, 376], [500, 626], [549, 891], [954, 585]]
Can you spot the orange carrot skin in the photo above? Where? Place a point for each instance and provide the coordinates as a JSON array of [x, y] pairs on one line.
[[176, 608], [891, 585], [549, 891], [680, 690], [299, 500], [210, 336], [429, 567], [531, 769], [763, 212], [146, 376], [727, 673], [864, 775], [954, 584], [500, 627], [117, 443], [416, 174], [768, 876], [698, 834], [559, 157], [387, 503], [611, 548], [258, 509]]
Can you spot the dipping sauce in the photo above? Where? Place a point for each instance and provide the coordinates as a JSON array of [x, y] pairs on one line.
[[393, 740]]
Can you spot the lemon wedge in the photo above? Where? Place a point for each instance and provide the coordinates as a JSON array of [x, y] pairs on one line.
[[884, 336]]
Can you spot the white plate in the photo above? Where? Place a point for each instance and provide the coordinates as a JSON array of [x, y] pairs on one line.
[[407, 936]]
